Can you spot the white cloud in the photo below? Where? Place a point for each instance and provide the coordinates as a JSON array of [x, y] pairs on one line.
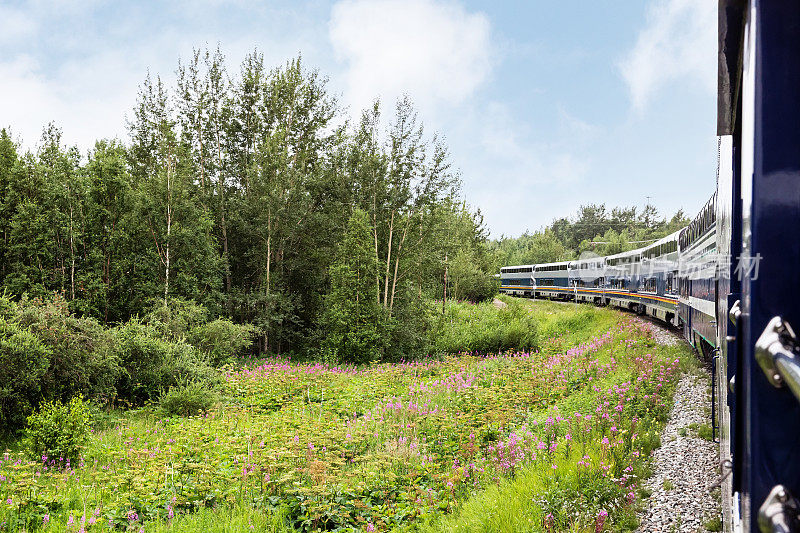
[[86, 81], [437, 52], [678, 43], [87, 97], [15, 25], [517, 180], [525, 162]]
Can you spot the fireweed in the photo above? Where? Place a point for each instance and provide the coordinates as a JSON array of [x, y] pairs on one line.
[[376, 447]]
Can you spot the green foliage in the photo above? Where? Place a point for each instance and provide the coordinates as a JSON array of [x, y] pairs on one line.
[[24, 361], [469, 280], [48, 353], [187, 399], [575, 323], [152, 363], [713, 524], [58, 431], [353, 323], [222, 340], [83, 360], [176, 319], [485, 328], [314, 447], [704, 431], [232, 194]]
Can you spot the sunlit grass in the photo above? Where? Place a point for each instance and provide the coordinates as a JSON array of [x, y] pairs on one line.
[[503, 442]]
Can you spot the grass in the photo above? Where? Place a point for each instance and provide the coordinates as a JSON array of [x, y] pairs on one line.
[[713, 524], [702, 430], [553, 439]]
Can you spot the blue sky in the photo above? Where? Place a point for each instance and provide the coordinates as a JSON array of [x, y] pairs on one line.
[[545, 105]]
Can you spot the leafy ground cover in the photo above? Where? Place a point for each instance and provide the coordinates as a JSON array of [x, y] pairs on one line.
[[555, 439]]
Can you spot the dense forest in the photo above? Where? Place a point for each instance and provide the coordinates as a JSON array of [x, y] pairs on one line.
[[236, 191]]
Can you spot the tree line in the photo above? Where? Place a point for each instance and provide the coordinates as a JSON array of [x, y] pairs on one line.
[[594, 228], [251, 194]]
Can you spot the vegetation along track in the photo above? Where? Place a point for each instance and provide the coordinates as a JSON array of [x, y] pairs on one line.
[[555, 438]]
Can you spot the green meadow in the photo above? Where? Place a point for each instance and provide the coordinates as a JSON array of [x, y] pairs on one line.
[[535, 417]]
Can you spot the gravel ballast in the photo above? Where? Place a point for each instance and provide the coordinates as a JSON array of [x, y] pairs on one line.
[[685, 466]]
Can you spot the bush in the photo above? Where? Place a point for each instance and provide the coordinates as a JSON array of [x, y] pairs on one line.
[[83, 360], [24, 361], [58, 430], [484, 328], [222, 340], [151, 363], [188, 399], [175, 321]]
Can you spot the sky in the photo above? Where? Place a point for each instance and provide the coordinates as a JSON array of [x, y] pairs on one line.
[[545, 105]]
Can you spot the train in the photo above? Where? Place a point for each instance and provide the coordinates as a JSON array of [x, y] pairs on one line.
[[730, 280]]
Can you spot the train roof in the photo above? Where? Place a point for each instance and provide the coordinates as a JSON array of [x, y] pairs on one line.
[[516, 267], [586, 261], [669, 238], [557, 263], [629, 253]]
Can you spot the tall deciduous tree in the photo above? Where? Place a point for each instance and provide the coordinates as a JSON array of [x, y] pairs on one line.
[[180, 254]]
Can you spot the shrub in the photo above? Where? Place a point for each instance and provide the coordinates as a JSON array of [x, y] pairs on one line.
[[83, 360], [58, 430], [222, 340], [24, 361], [485, 328], [188, 399], [176, 320], [151, 363]]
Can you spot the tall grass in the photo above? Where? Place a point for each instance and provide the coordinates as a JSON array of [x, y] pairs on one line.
[[485, 328], [522, 325]]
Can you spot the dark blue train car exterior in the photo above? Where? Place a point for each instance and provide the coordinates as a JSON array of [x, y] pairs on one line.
[[764, 128]]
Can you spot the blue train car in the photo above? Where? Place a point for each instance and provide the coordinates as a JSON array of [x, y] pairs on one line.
[[759, 127], [587, 276], [552, 280], [622, 280], [658, 280], [698, 278], [517, 280]]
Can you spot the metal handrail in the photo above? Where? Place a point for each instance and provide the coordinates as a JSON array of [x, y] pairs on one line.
[[778, 355]]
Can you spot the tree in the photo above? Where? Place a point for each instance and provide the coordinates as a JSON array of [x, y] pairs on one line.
[[9, 164], [108, 209], [236, 192], [174, 246], [353, 323]]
